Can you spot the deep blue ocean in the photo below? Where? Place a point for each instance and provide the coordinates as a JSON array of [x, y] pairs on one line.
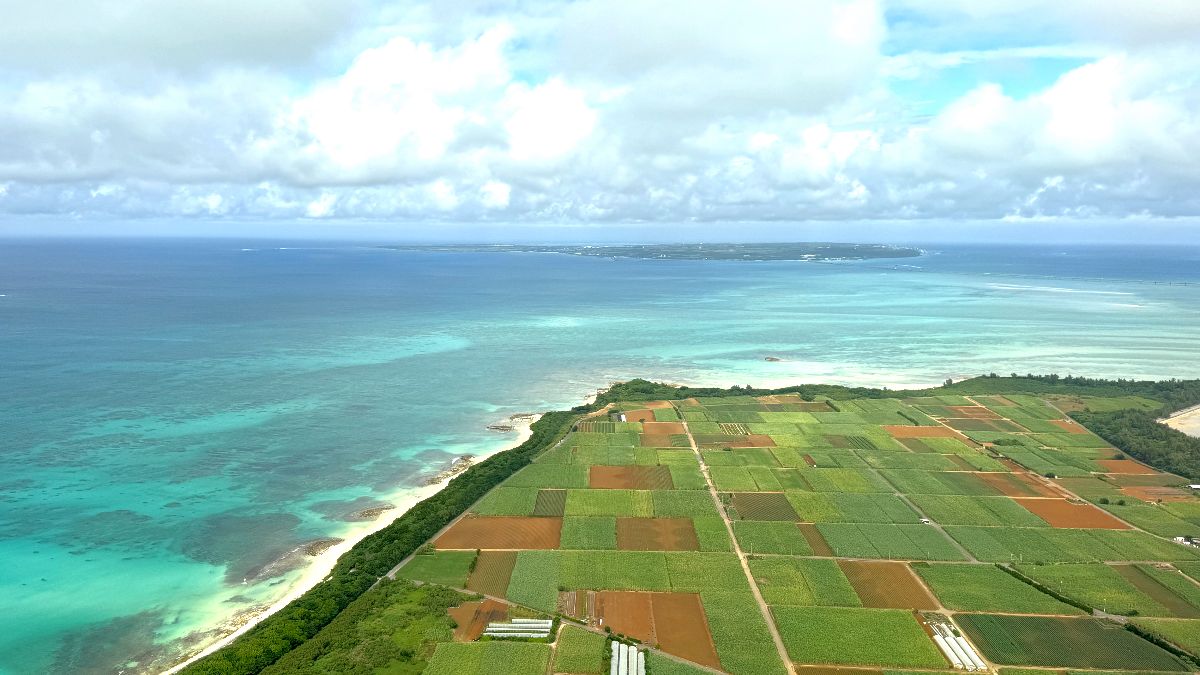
[[177, 416]]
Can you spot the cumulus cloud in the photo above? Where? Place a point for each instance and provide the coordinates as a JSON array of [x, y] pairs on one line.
[[599, 110]]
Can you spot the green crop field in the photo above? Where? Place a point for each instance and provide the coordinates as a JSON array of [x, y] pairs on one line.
[[862, 637], [1183, 633], [481, 658], [984, 588], [535, 580], [898, 542], [796, 581], [630, 503], [682, 504], [1026, 544], [589, 532], [579, 651], [739, 632], [756, 536], [1064, 643], [711, 533], [1097, 585], [961, 510], [448, 568], [507, 501]]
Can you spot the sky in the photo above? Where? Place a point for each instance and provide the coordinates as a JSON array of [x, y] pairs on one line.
[[602, 119]]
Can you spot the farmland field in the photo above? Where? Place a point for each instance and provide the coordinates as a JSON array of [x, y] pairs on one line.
[[480, 658], [1065, 643], [824, 500], [865, 637], [988, 589]]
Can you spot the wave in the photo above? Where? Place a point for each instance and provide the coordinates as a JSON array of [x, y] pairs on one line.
[[1052, 289]]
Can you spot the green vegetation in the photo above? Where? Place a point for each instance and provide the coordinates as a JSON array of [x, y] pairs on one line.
[[796, 581], [756, 536], [482, 658], [392, 628], [983, 588], [832, 465], [1138, 434], [866, 637], [589, 532], [1066, 643], [1183, 634], [448, 568], [897, 542], [579, 651]]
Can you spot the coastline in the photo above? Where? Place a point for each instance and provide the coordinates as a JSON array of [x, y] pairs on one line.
[[1186, 421], [323, 563]]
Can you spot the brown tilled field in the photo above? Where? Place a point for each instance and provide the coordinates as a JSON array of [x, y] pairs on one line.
[[630, 477], [473, 617], [815, 540], [1069, 426], [652, 441], [627, 612], [1017, 485], [655, 405], [1061, 513], [653, 428], [920, 432], [1125, 466], [501, 532], [644, 416], [656, 534], [681, 628], [674, 621], [887, 585], [493, 571], [1153, 493], [974, 411]]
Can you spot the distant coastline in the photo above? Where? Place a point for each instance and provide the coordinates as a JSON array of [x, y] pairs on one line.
[[794, 252]]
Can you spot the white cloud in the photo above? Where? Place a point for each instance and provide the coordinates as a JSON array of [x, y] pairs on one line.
[[541, 110]]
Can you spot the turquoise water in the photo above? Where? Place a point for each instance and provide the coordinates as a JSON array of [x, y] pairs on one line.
[[176, 416]]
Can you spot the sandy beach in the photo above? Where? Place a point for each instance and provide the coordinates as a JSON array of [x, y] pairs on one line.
[[1187, 421], [323, 564]]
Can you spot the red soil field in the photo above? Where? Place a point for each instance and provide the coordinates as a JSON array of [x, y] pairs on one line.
[[887, 585], [656, 534], [643, 415], [473, 617], [1061, 513], [815, 541], [681, 628], [674, 621], [653, 428], [1017, 485], [653, 441], [921, 432], [1153, 493], [493, 571], [626, 612], [501, 532], [1069, 426], [655, 405], [1125, 466], [630, 477], [808, 459], [974, 411]]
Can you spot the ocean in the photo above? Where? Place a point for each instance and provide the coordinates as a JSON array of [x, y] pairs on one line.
[[178, 417]]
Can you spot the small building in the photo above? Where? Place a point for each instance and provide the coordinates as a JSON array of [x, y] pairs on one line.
[[1194, 486]]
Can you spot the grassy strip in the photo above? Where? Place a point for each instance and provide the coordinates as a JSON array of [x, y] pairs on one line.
[[361, 567]]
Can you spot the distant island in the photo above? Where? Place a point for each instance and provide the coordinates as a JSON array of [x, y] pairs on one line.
[[806, 251]]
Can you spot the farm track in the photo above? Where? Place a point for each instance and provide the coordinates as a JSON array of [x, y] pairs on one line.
[[737, 549]]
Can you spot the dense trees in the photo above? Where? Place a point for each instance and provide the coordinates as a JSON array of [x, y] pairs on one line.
[[1141, 436]]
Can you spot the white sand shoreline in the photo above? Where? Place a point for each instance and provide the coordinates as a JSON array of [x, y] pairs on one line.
[[1186, 420], [323, 564]]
